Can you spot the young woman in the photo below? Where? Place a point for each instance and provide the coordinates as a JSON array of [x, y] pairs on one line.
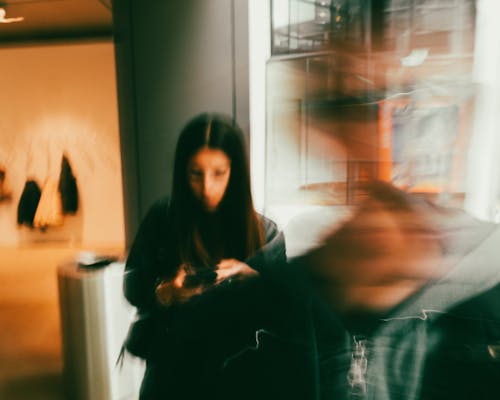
[[207, 234]]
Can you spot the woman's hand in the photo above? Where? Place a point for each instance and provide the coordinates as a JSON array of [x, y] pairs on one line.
[[230, 269], [174, 291]]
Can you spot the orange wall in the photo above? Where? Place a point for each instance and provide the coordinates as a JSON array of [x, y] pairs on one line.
[[62, 98]]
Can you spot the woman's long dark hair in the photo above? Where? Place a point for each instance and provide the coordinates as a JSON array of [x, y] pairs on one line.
[[240, 228]]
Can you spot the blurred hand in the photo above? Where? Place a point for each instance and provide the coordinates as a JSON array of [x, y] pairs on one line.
[[390, 248], [230, 269]]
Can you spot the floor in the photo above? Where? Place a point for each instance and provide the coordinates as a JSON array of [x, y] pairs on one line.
[[30, 335]]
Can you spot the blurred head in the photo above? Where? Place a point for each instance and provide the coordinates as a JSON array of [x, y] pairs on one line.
[[211, 176], [418, 147]]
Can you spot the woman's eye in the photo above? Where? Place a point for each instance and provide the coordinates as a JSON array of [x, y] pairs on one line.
[[196, 174], [220, 173]]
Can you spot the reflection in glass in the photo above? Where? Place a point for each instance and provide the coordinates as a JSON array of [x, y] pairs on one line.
[[395, 75]]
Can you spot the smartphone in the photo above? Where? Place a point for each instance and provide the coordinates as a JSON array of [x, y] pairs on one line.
[[200, 278]]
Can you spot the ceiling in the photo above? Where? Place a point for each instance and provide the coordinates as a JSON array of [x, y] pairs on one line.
[[56, 20]]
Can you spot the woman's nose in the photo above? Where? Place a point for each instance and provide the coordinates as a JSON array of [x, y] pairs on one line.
[[207, 185]]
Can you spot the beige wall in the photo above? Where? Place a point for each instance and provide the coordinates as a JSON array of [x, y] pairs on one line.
[[62, 98]]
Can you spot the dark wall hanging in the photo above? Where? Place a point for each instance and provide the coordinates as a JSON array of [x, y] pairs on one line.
[[68, 188], [28, 203]]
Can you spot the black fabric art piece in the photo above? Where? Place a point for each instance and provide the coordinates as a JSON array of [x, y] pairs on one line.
[[28, 203], [68, 188]]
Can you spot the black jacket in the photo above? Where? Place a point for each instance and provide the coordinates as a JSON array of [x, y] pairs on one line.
[[152, 256], [272, 339]]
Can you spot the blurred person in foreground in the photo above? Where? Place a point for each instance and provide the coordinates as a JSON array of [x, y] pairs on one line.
[[401, 302]]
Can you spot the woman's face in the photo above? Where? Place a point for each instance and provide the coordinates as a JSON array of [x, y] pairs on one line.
[[208, 176]]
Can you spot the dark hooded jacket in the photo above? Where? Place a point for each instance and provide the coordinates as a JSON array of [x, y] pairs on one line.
[[153, 257]]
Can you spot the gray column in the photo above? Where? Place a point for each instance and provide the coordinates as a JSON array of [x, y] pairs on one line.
[[174, 59]]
